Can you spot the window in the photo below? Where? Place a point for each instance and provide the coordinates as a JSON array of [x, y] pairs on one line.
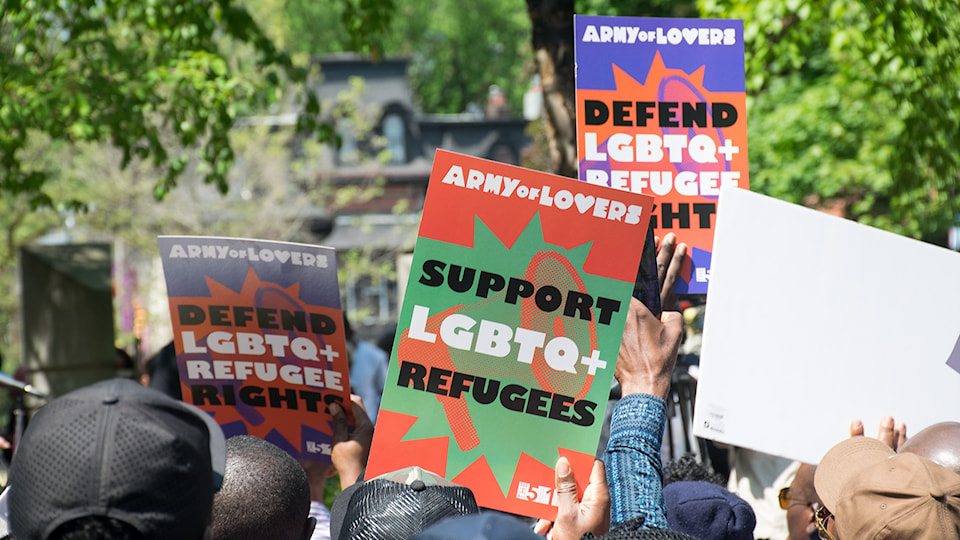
[[394, 130]]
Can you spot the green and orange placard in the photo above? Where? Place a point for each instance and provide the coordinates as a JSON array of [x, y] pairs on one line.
[[259, 337], [509, 331]]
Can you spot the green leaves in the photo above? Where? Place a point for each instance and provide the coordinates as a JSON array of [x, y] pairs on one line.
[[366, 22], [855, 104], [457, 49], [153, 77]]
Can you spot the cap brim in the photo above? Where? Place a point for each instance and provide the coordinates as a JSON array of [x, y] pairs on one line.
[[218, 444], [844, 462], [5, 513]]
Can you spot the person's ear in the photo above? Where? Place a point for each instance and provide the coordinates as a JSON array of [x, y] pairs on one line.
[[308, 527]]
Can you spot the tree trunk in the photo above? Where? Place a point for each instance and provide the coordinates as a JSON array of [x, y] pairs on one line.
[[552, 29]]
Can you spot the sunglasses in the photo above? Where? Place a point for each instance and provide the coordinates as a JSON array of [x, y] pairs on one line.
[[822, 517], [786, 500]]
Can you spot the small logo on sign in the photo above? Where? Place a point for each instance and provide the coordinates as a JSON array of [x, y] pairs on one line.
[[319, 448], [537, 494], [715, 421]]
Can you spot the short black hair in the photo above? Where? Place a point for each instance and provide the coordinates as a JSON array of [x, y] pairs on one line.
[[162, 369], [633, 530], [688, 468], [265, 493], [95, 528]]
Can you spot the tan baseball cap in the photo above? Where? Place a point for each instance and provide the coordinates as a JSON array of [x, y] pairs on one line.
[[876, 493]]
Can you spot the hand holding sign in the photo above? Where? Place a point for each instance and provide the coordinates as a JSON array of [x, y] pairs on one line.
[[577, 516], [890, 433], [350, 450], [670, 256], [648, 351]]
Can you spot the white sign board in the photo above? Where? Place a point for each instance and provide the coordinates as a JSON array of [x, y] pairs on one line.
[[813, 321]]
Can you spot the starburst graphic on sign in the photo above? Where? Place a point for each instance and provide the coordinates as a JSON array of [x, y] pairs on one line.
[[678, 105], [477, 447], [235, 344]]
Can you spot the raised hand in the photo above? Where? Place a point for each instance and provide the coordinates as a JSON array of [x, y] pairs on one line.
[[577, 516]]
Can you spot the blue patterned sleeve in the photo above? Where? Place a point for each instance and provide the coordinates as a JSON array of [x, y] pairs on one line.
[[634, 467]]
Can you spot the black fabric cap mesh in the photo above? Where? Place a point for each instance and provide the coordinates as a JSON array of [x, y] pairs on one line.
[[385, 510], [56, 485], [161, 481], [152, 469]]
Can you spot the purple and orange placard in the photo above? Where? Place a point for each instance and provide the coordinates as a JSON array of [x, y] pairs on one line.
[[259, 337], [509, 331], [661, 110]]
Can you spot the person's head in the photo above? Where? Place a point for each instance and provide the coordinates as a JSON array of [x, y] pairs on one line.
[[124, 363], [873, 492], [265, 494], [940, 443], [633, 529], [708, 511], [688, 468], [115, 451], [801, 502], [385, 342], [96, 528], [397, 505], [160, 372]]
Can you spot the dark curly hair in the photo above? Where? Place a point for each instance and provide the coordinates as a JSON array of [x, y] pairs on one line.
[[96, 528], [688, 467], [632, 530]]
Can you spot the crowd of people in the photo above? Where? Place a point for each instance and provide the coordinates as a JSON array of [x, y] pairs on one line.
[[119, 460]]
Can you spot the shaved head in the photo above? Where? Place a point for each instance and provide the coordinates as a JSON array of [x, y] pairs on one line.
[[940, 443], [265, 494]]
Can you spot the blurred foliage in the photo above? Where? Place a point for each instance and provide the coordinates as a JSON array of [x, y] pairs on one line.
[[155, 78], [274, 184], [326, 26], [105, 106], [854, 105], [553, 44], [457, 49], [366, 152], [639, 8]]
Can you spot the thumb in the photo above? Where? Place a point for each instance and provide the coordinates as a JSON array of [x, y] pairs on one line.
[[566, 488]]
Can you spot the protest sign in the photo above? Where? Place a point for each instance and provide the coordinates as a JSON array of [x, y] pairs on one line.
[[509, 331], [814, 321], [661, 109], [259, 337]]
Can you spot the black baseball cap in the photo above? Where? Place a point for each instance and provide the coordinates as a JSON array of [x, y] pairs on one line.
[[120, 450], [397, 505]]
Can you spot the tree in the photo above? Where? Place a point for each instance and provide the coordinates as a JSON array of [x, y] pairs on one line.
[[120, 209], [854, 107], [277, 189], [162, 83], [156, 78], [457, 49], [552, 39]]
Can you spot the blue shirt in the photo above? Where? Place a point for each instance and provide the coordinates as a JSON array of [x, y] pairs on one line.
[[634, 468]]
